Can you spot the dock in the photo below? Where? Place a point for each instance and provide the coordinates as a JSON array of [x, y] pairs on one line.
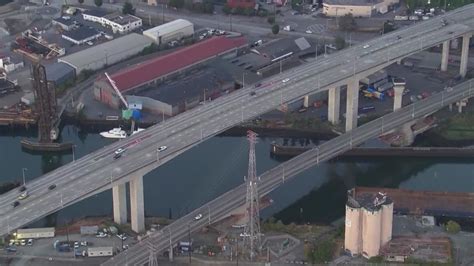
[[411, 202], [455, 152]]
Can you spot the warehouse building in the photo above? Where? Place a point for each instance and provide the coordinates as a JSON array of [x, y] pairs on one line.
[[119, 23], [160, 69], [59, 73], [107, 53], [368, 225], [81, 35], [358, 8], [45, 232], [171, 31], [65, 22]]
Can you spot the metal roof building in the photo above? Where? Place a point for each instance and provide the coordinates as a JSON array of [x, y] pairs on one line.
[[170, 31], [107, 53]]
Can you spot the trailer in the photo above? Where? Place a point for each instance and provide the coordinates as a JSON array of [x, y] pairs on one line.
[[45, 232], [100, 252]]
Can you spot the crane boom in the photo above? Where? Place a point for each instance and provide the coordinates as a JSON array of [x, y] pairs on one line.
[[112, 82]]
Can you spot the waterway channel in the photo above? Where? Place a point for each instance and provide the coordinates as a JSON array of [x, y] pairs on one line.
[[213, 167]]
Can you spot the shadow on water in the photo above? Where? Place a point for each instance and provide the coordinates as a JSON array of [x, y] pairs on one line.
[[326, 203]]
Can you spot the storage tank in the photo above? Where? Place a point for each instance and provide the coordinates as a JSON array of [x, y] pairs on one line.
[[371, 231], [352, 239], [387, 220]]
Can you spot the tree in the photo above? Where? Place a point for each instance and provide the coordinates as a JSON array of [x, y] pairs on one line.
[[176, 3], [388, 27], [340, 43], [452, 227], [271, 20], [227, 9], [128, 9], [275, 29], [98, 3], [80, 1], [323, 252], [347, 22]]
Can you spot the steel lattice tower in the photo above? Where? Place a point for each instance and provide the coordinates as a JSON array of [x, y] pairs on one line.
[[252, 229], [152, 261]]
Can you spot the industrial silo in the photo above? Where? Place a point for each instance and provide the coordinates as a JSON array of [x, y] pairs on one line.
[[371, 231], [387, 220], [352, 239]]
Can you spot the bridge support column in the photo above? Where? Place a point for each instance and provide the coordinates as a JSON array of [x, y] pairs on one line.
[[170, 255], [334, 105], [445, 56], [398, 96], [119, 197], [352, 104], [137, 206], [306, 101], [464, 54]]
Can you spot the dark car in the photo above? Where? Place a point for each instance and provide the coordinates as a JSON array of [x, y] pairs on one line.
[[53, 186], [22, 188], [15, 203], [252, 93], [117, 155], [258, 85]]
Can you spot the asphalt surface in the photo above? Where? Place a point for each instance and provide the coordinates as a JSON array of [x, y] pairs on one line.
[[98, 171]]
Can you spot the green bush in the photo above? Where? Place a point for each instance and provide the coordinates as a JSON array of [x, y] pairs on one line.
[[275, 29], [452, 227]]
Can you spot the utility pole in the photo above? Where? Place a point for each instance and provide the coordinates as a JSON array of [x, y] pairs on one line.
[[252, 229], [23, 172]]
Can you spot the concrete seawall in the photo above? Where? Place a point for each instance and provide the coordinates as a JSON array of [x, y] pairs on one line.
[[280, 150]]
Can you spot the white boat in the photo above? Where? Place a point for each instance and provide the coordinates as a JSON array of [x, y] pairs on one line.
[[138, 130], [115, 133]]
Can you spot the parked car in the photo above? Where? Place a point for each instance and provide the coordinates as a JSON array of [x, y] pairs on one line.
[[30, 242]]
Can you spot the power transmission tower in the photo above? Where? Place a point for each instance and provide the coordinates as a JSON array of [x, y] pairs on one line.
[[252, 229], [152, 261]]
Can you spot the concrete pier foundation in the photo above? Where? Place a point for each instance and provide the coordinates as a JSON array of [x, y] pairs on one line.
[[137, 206], [464, 55], [352, 104], [119, 196], [334, 105], [445, 56]]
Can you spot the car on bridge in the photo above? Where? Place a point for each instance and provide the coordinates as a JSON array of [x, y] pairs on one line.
[[16, 203], [198, 217], [53, 186], [252, 93], [118, 153], [23, 195], [22, 188], [162, 148], [366, 46], [285, 80]]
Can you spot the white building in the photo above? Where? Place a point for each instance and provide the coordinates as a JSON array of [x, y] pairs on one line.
[[358, 8], [171, 31], [117, 22], [45, 232]]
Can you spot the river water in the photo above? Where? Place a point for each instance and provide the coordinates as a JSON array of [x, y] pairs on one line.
[[219, 164]]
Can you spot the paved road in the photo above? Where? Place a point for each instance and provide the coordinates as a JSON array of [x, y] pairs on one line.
[[272, 179], [98, 171]]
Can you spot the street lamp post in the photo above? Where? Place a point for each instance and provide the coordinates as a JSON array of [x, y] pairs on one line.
[[23, 172], [189, 240], [209, 214], [73, 153]]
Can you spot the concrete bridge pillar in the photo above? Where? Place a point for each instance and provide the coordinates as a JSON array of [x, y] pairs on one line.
[[461, 104], [398, 96], [306, 101], [352, 104], [334, 105], [464, 54], [445, 56], [119, 198], [137, 206]]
